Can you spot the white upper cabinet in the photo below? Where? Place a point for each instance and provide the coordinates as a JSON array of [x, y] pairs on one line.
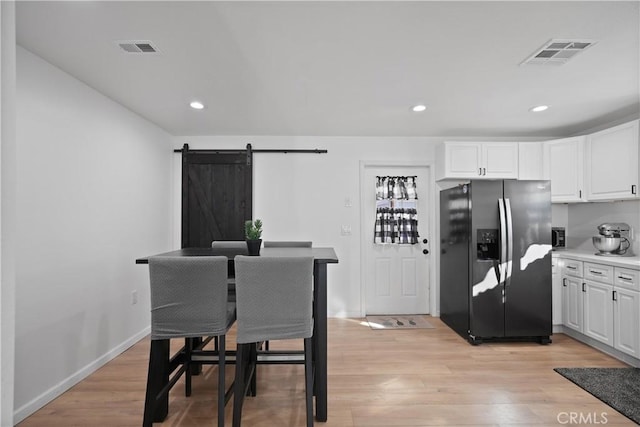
[[612, 163], [477, 160], [564, 166], [530, 160]]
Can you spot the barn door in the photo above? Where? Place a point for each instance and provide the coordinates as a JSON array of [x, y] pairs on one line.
[[216, 195]]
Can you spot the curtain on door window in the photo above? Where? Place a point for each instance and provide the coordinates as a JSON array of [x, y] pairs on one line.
[[396, 215]]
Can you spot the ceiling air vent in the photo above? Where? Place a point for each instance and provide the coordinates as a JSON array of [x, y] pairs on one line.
[[137, 46], [558, 52]]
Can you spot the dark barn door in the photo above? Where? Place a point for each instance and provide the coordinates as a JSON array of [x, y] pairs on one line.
[[216, 195]]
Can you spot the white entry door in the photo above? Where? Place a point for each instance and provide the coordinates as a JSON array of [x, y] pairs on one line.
[[396, 275]]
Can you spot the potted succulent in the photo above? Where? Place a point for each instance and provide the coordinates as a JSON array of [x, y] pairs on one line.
[[253, 234]]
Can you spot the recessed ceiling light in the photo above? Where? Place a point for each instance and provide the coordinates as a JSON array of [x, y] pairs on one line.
[[418, 108], [538, 108], [196, 105]]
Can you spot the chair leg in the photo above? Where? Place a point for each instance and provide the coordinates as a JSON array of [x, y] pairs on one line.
[[308, 380], [239, 384], [188, 349], [221, 344], [254, 368]]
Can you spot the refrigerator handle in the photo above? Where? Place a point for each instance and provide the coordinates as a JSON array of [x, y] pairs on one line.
[[503, 239], [509, 260]]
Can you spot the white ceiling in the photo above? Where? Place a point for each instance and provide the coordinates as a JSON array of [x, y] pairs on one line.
[[347, 68]]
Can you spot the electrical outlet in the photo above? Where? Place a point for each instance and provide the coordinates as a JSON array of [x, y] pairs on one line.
[[134, 297], [345, 230]]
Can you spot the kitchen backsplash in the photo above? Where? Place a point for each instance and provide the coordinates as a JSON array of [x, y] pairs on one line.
[[581, 220]]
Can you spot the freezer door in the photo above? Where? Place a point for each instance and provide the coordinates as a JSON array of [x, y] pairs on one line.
[[528, 282], [454, 258], [485, 291]]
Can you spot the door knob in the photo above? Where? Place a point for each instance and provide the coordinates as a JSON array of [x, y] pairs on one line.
[[425, 241], [425, 251]]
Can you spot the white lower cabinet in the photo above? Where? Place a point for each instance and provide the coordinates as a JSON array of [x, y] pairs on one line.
[[556, 291], [598, 312], [626, 321], [603, 303], [572, 300], [626, 311]]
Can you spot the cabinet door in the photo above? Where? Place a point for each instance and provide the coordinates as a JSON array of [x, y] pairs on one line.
[[572, 302], [556, 291], [626, 324], [612, 163], [598, 312], [462, 160], [530, 155], [564, 166], [500, 160]]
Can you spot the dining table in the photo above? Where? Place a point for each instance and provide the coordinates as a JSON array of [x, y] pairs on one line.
[[322, 256]]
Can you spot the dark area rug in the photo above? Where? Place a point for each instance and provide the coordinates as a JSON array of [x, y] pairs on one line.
[[617, 387]]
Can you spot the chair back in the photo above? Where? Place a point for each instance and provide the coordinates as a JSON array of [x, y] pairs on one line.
[[189, 297], [237, 245], [287, 244], [274, 298]]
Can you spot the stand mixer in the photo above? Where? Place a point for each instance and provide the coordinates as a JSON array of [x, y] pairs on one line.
[[613, 239]]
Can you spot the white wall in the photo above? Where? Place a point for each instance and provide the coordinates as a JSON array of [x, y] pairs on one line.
[[93, 194], [7, 204], [302, 196]]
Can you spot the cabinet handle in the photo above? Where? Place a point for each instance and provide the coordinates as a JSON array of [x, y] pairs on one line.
[[628, 279], [633, 189], [584, 289], [595, 272], [480, 171], [580, 194], [615, 296], [570, 267], [564, 282], [485, 171]]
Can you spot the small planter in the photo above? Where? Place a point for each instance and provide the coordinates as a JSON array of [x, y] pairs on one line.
[[253, 246]]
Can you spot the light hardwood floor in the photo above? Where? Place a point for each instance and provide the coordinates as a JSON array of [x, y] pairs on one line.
[[420, 377]]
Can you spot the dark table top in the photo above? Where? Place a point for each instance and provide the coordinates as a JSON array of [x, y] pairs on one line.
[[321, 255]]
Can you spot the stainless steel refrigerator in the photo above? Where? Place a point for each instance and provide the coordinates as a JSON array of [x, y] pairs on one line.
[[495, 260]]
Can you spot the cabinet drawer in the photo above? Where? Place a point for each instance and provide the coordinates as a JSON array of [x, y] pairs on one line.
[[598, 272], [572, 268], [627, 278]]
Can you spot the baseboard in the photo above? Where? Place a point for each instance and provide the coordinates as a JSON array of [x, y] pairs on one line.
[[29, 408]]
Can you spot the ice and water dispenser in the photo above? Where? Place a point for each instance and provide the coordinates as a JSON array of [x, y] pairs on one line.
[[488, 244]]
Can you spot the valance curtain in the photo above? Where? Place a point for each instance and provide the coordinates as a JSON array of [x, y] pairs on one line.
[[396, 215]]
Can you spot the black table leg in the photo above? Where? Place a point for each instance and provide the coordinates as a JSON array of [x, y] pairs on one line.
[[157, 378], [320, 339]]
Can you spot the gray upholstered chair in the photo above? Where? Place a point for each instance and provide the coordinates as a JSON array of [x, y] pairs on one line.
[[287, 244], [274, 302], [240, 245], [188, 300]]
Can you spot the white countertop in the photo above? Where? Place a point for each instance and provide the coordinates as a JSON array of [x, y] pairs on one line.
[[617, 261]]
